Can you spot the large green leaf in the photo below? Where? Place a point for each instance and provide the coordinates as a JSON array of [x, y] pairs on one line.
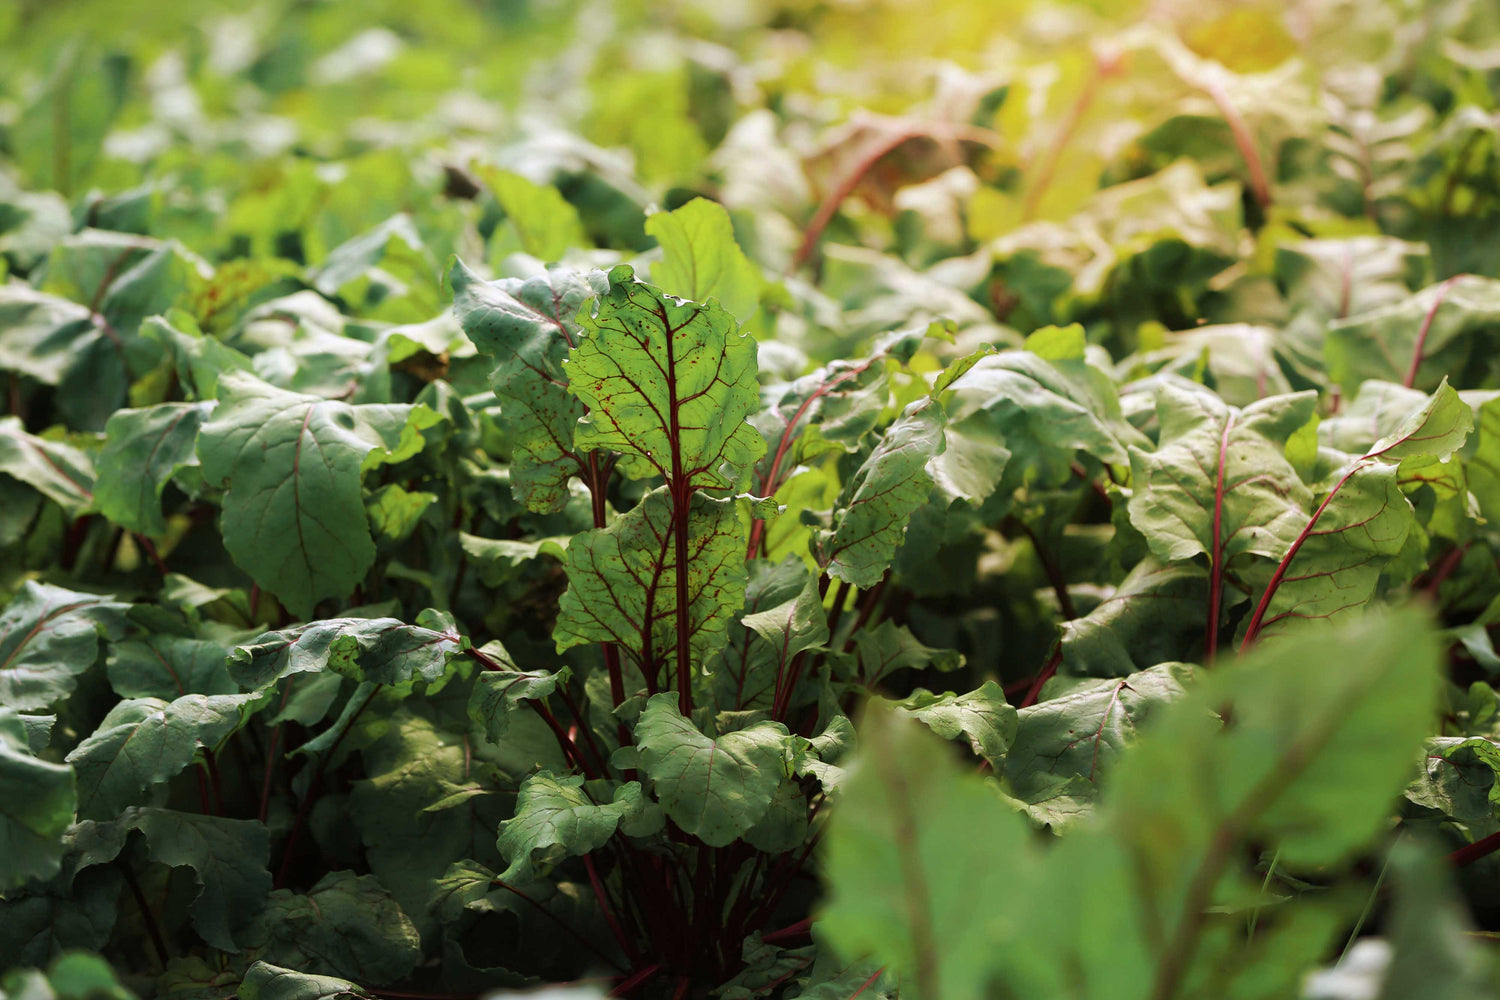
[[528, 326], [1066, 745], [714, 789], [37, 803], [144, 742], [158, 665], [228, 858], [143, 449], [58, 471], [701, 260], [1445, 322], [294, 517], [264, 981], [49, 636], [346, 925], [869, 522], [982, 717], [910, 861], [669, 385]]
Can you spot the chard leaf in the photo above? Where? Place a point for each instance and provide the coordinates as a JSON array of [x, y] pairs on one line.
[[1444, 322], [1218, 482], [714, 789], [158, 665], [377, 650], [145, 742], [49, 636], [557, 818], [982, 716], [37, 803], [294, 516], [876, 504], [143, 449], [669, 385], [1154, 616], [1067, 743], [346, 925], [1335, 563], [264, 981], [500, 692], [702, 261], [528, 327], [228, 858], [905, 868], [58, 471], [622, 580]]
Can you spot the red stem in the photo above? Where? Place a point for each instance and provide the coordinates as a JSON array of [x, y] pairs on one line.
[[1253, 629], [1216, 557], [265, 785], [946, 131], [637, 980], [1473, 852], [1416, 355], [609, 911], [1053, 662], [1260, 185]]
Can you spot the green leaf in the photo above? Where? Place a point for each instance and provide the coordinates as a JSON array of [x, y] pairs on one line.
[[870, 519], [557, 818], [1219, 468], [499, 693], [72, 975], [1383, 343], [1362, 524], [912, 878], [58, 471], [982, 716], [48, 637], [166, 666], [228, 858], [714, 789], [264, 981], [792, 626], [668, 384], [377, 650], [37, 803], [701, 260], [622, 580], [546, 225], [1067, 744], [1154, 616], [61, 343], [143, 449], [528, 327], [145, 742], [294, 515], [346, 925]]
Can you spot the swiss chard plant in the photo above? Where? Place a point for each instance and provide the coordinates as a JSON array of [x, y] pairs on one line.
[[484, 509]]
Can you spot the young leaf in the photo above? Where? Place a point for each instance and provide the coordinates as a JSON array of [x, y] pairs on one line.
[[669, 385], [546, 224], [701, 260], [714, 789], [982, 716]]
